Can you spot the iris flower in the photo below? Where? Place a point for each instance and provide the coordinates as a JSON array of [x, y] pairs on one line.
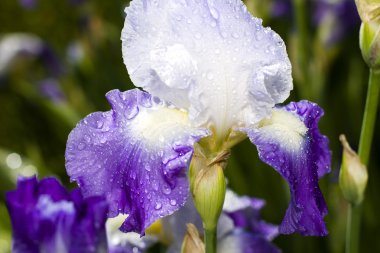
[[211, 74], [46, 218]]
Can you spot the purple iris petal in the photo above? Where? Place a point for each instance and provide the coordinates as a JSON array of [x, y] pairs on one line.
[[301, 158], [138, 163], [46, 218], [241, 241], [249, 219]]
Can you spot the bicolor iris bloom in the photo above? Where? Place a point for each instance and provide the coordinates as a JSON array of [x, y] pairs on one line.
[[212, 74], [46, 218]]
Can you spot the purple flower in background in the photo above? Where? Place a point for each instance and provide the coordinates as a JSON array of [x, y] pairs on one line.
[[28, 4], [17, 45], [46, 218], [31, 4], [338, 17], [213, 72], [51, 89]]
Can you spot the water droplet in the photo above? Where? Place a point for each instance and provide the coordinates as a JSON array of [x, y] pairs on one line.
[[99, 124], [147, 167], [224, 34], [166, 190], [214, 13], [87, 138], [132, 112], [198, 35], [155, 185], [81, 146], [158, 206], [173, 202]]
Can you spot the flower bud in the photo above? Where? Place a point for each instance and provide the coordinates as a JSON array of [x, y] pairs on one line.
[[192, 243], [208, 186], [370, 43], [353, 174], [369, 11]]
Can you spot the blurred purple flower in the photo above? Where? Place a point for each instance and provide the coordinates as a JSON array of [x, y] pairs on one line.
[[46, 218], [28, 4], [31, 4], [15, 45], [51, 89], [342, 16]]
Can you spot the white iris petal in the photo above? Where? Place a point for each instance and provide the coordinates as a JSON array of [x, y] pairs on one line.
[[211, 58]]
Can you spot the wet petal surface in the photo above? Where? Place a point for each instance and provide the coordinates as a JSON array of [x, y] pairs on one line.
[[209, 57], [136, 155], [291, 143]]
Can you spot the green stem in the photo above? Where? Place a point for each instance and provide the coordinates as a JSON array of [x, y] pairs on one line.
[[366, 136], [303, 45], [210, 240], [369, 119]]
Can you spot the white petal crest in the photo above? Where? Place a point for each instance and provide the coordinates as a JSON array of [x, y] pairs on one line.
[[211, 58]]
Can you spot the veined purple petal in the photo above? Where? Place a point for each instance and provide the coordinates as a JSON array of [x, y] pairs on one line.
[[291, 143], [136, 155], [46, 218], [210, 57]]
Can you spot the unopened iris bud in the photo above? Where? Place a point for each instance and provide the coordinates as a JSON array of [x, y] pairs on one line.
[[208, 186], [369, 11], [353, 175], [192, 243], [370, 43]]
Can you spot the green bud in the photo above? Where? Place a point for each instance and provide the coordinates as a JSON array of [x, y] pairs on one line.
[[192, 243], [208, 185], [369, 11], [353, 175], [370, 43]]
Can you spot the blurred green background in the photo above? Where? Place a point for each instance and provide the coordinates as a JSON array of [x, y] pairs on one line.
[[44, 93]]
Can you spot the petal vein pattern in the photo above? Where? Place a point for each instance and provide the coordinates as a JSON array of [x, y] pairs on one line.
[[291, 143], [211, 58], [136, 155]]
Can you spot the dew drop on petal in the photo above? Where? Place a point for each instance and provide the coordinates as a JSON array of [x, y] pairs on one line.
[[173, 202], [214, 13], [197, 36], [158, 206], [99, 124], [81, 146], [166, 190]]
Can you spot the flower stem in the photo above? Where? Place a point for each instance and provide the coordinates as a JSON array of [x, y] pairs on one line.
[[369, 119], [210, 240], [303, 45], [366, 135]]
